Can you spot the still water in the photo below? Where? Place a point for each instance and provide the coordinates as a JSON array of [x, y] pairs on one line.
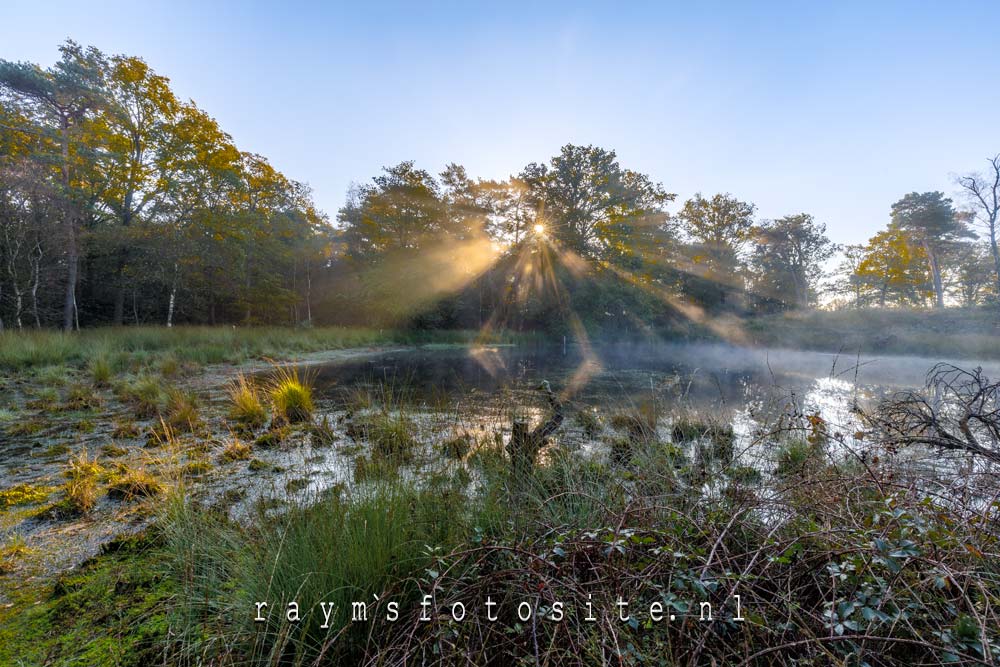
[[738, 383]]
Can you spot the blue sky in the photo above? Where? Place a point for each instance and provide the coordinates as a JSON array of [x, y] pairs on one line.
[[836, 109]]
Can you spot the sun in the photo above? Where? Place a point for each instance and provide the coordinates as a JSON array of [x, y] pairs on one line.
[[540, 229]]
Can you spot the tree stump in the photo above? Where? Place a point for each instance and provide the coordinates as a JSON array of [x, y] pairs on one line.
[[525, 442]]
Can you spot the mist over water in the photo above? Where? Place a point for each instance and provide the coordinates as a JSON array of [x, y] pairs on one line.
[[701, 376]]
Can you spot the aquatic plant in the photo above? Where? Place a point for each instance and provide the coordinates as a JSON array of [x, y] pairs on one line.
[[390, 435], [588, 419], [145, 394]]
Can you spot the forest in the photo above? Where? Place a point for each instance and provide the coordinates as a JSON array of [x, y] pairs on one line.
[[122, 204]]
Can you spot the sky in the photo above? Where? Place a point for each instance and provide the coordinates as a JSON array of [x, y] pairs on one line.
[[835, 109]]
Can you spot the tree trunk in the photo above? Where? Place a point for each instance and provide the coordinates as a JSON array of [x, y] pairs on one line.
[[36, 262], [524, 444], [173, 299], [72, 252], [936, 275], [996, 255]]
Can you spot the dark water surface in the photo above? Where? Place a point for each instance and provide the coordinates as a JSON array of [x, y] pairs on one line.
[[702, 377]]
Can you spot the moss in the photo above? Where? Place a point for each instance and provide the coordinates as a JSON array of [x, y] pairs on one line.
[[23, 494], [112, 611]]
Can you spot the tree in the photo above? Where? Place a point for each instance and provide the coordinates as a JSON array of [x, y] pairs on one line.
[[592, 205], [60, 100], [401, 210], [139, 110], [930, 220], [983, 192], [974, 276], [849, 281], [719, 228], [788, 258], [894, 268]]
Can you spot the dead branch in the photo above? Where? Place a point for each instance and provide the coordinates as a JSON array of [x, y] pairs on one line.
[[957, 410]]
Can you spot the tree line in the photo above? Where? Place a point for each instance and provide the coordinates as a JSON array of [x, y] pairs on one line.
[[120, 203]]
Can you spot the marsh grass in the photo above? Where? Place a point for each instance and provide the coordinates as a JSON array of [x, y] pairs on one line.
[[130, 483], [290, 393], [100, 370], [182, 412], [176, 346], [247, 408], [236, 450]]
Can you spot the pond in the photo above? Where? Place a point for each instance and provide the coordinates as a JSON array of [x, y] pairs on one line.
[[740, 383]]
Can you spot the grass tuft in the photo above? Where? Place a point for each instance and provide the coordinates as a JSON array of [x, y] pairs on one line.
[[247, 408], [291, 396]]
